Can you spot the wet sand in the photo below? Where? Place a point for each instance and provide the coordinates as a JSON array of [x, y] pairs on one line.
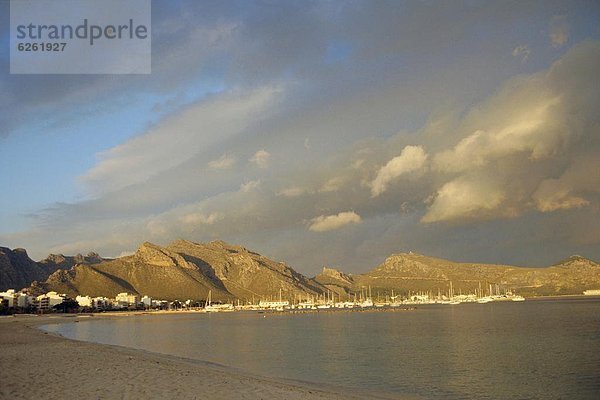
[[39, 365]]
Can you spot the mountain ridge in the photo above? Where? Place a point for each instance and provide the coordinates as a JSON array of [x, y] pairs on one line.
[[186, 269], [406, 272]]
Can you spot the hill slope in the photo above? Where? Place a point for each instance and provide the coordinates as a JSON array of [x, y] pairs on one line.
[[185, 270], [415, 272], [188, 270], [17, 270]]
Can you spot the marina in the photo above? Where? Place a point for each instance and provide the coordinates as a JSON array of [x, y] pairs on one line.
[[363, 301]]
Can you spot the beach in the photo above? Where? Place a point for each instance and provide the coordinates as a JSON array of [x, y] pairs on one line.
[[38, 365]]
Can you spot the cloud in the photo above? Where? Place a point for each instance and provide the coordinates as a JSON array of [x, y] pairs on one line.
[[580, 180], [526, 120], [226, 161], [412, 158], [331, 222], [261, 158], [464, 198], [249, 186], [512, 146], [521, 51], [333, 184], [497, 148], [559, 31], [201, 219], [293, 191], [178, 138]]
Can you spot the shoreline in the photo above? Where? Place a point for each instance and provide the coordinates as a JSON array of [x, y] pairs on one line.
[[39, 364]]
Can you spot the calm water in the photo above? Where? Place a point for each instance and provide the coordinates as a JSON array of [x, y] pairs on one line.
[[532, 350]]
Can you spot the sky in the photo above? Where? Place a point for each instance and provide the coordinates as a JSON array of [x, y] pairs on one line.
[[326, 133]]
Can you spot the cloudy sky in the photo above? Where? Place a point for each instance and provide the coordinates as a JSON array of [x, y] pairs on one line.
[[319, 133]]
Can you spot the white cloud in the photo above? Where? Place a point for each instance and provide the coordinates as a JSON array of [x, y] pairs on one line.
[[331, 222], [526, 121], [293, 191], [412, 158], [178, 138], [568, 191], [521, 51], [226, 161], [550, 196], [201, 219], [464, 198], [249, 186], [358, 163], [332, 185], [261, 158]]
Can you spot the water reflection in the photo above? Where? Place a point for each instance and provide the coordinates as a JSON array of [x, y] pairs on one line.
[[528, 350]]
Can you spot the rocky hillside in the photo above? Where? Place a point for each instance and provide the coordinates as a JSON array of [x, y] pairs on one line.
[[336, 281], [56, 261], [17, 270], [185, 270], [244, 273], [415, 272]]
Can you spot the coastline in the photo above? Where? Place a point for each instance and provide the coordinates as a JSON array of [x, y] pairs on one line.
[[37, 364]]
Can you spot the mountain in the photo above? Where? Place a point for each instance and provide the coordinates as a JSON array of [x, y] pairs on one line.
[[406, 272], [243, 273], [17, 270], [336, 281], [56, 261], [185, 270]]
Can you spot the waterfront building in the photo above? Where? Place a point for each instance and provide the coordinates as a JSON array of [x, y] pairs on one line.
[[8, 298], [101, 303], [147, 301], [85, 301], [49, 300], [273, 304], [126, 300], [23, 300]]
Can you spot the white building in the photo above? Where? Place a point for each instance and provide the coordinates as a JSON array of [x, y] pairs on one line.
[[17, 299], [273, 304], [9, 297], [127, 300], [147, 301], [85, 301], [24, 300], [101, 303], [49, 300]]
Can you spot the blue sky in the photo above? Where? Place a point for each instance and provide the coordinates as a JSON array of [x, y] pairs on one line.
[[319, 133]]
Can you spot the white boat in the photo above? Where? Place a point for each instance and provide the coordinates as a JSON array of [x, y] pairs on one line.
[[209, 307], [366, 303], [592, 292], [219, 308]]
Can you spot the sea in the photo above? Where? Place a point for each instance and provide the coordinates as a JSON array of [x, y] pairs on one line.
[[537, 349]]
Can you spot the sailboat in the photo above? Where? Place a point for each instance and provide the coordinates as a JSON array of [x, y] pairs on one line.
[[209, 307], [453, 299]]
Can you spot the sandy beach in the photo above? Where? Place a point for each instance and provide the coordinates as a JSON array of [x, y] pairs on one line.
[[39, 365]]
